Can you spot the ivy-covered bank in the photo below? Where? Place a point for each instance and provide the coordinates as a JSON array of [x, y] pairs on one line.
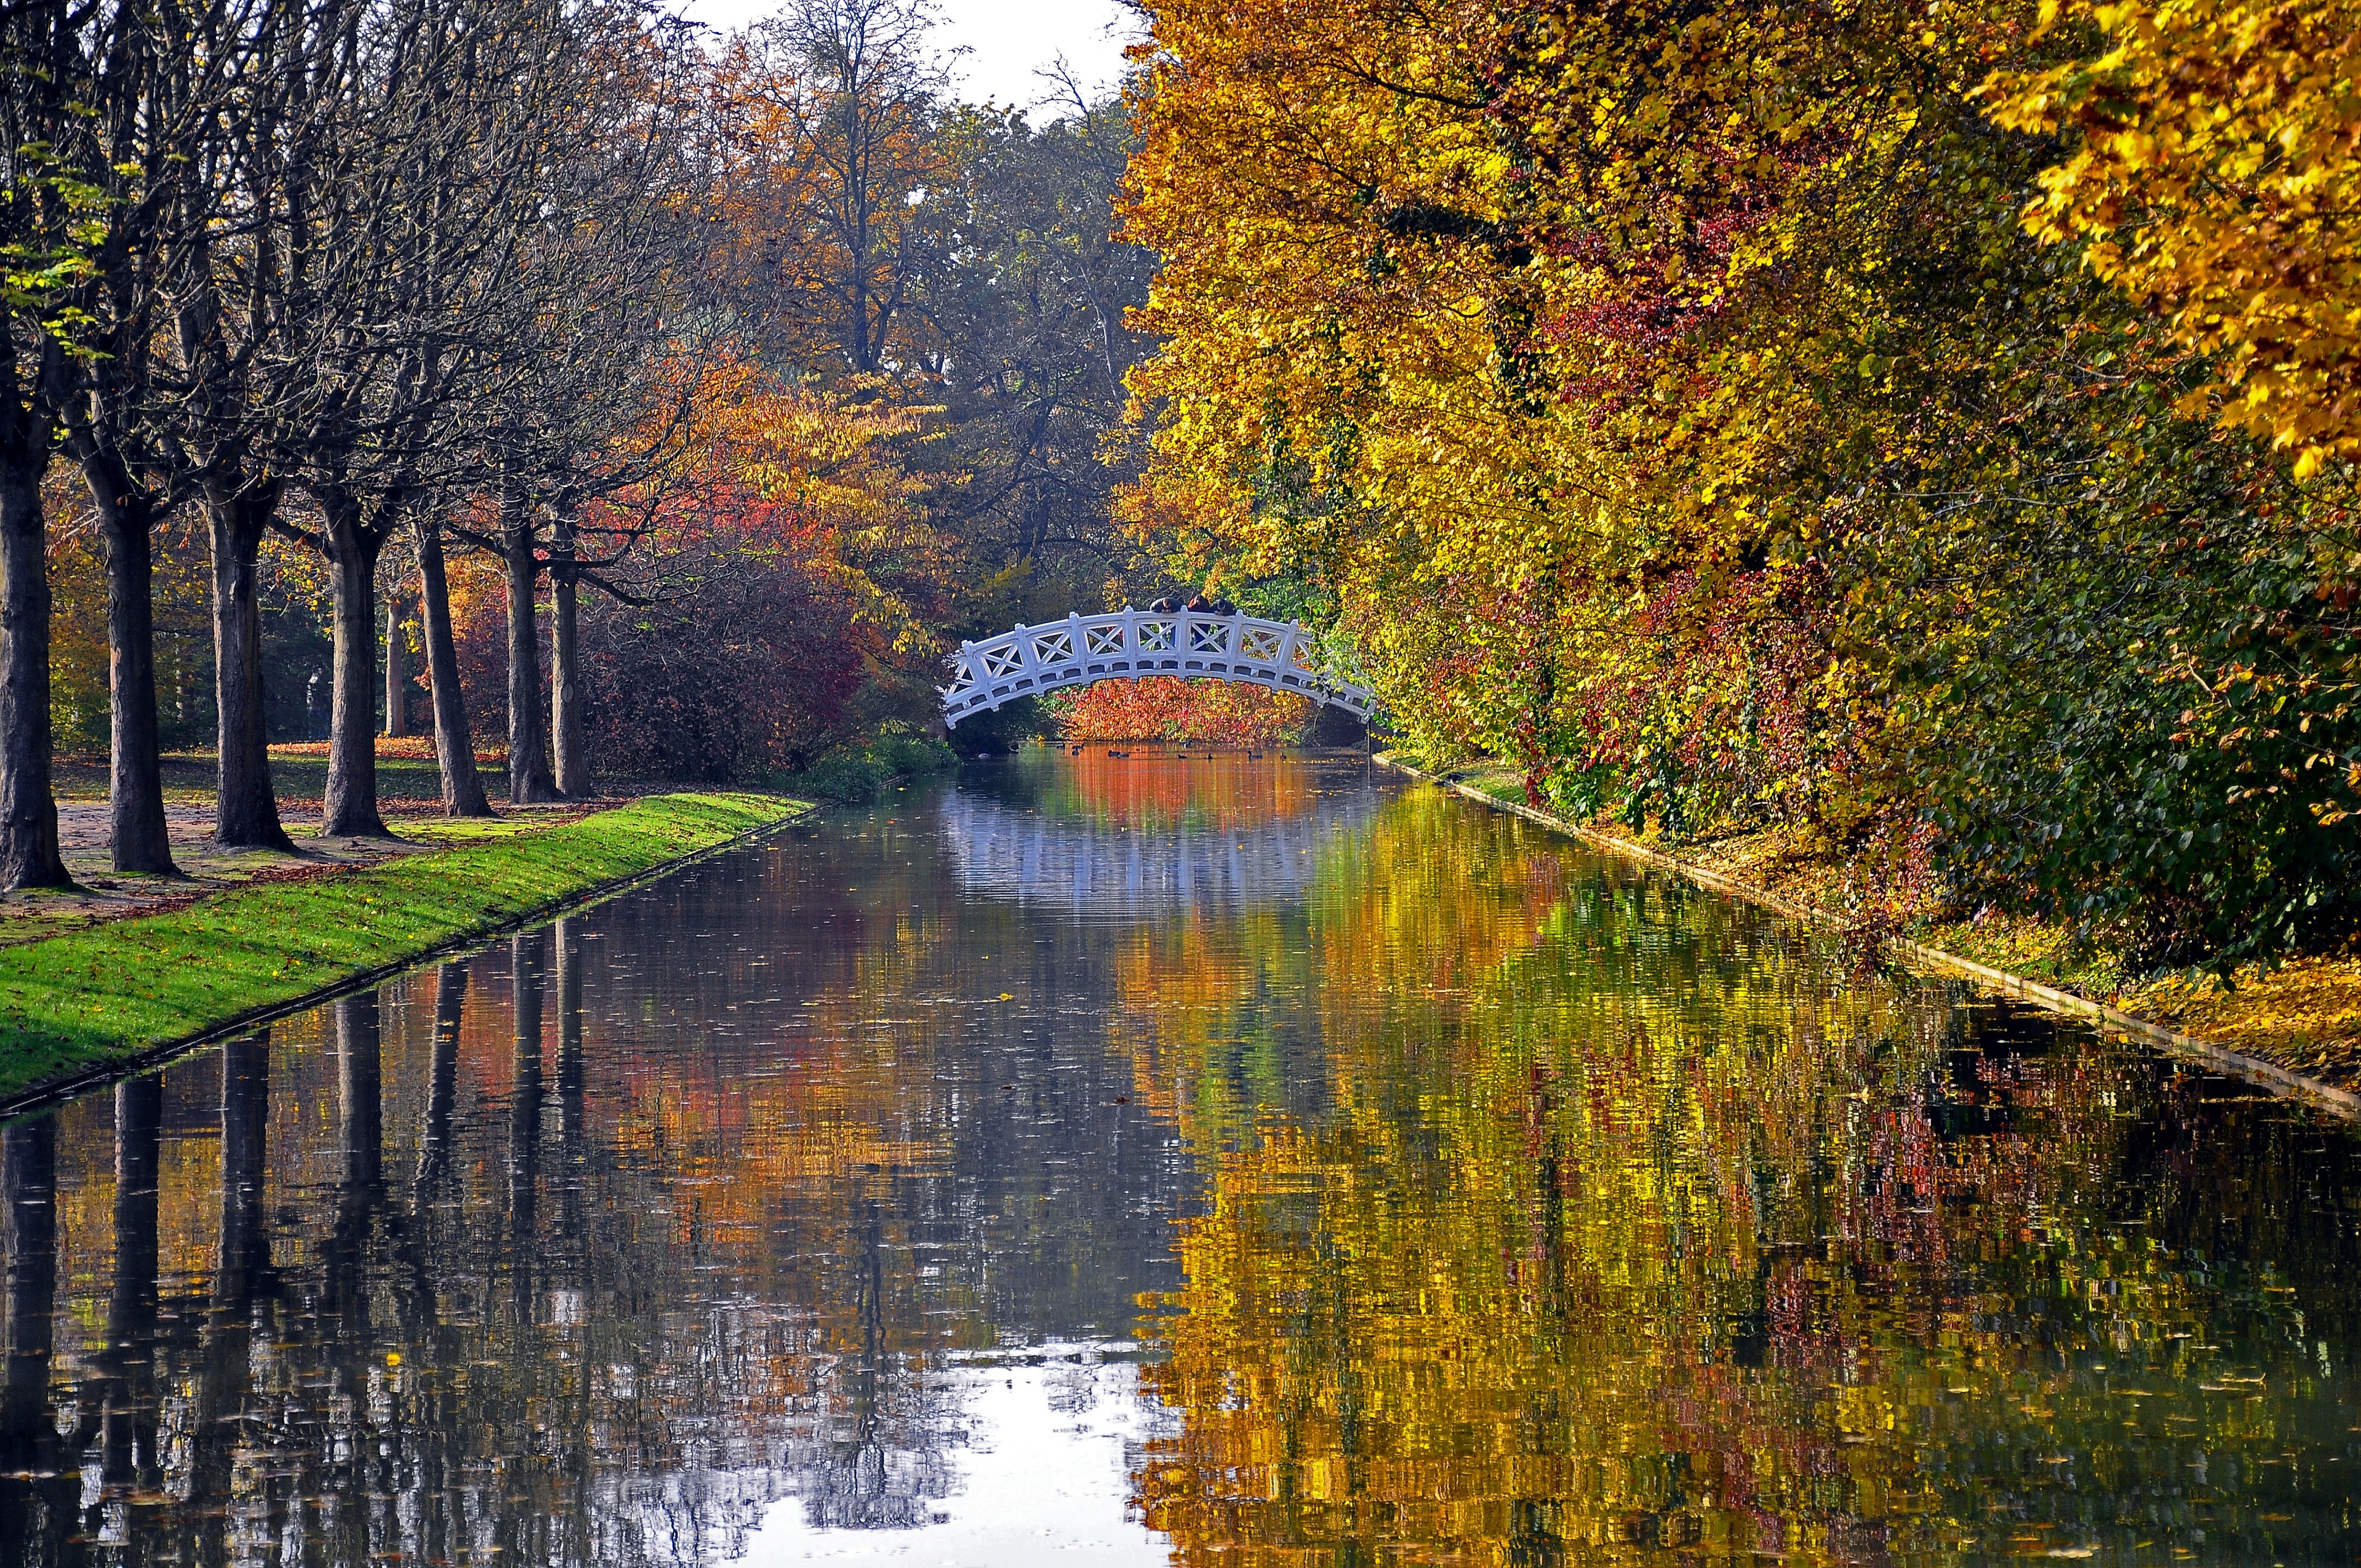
[[113, 992]]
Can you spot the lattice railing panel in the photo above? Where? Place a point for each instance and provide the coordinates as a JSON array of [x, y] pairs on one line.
[[1026, 661]]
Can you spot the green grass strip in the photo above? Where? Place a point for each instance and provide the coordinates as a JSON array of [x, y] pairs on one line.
[[113, 991]]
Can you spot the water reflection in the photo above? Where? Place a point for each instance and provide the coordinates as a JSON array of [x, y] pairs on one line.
[[1142, 838], [1450, 1196]]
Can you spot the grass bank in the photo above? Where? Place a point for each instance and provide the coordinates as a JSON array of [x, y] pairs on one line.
[[112, 992], [2300, 1021]]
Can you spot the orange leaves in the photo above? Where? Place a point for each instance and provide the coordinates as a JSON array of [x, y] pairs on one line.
[[824, 147], [781, 465], [1164, 708]]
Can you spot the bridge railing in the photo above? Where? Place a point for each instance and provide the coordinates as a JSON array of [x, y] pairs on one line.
[[1127, 644]]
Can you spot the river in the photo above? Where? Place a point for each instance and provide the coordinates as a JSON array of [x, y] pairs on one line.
[[1116, 1160]]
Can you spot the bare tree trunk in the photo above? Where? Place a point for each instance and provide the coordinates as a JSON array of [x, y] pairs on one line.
[[350, 809], [29, 810], [529, 780], [136, 773], [564, 675], [565, 693], [454, 746], [397, 667], [245, 812]]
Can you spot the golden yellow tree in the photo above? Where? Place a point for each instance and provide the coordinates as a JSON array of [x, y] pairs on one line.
[[2215, 174]]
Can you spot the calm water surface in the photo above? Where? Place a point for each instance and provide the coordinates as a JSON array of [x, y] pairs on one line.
[[1137, 1160]]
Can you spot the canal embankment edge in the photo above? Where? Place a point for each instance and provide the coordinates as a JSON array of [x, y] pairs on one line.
[[150, 1054], [2265, 1075]]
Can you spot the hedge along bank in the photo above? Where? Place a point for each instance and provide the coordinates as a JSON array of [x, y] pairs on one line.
[[107, 996]]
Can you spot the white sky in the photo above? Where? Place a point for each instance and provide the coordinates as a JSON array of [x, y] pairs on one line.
[[1006, 41]]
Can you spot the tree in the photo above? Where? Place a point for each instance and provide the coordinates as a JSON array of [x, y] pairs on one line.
[[603, 345], [148, 91], [822, 132], [1669, 400], [1025, 294], [2214, 172], [468, 120], [50, 220]]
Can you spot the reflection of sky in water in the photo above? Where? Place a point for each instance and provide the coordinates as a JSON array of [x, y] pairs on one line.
[[1468, 1198], [1040, 1473]]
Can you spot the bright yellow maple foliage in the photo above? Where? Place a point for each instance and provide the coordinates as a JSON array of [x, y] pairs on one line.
[[2216, 176]]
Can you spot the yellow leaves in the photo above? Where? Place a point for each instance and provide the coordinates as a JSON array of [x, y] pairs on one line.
[[2218, 165]]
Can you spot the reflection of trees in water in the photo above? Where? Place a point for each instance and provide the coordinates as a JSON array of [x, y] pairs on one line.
[[591, 1249], [1153, 788], [1636, 1231], [1084, 864], [421, 1368]]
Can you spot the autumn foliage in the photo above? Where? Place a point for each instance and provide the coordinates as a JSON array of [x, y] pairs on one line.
[[2215, 173], [1919, 429], [1163, 707]]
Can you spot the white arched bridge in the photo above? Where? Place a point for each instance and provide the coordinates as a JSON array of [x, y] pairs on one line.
[[1128, 644]]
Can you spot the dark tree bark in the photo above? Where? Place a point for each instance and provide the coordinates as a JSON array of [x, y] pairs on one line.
[[246, 813], [454, 746], [127, 522], [350, 809], [572, 775], [529, 780], [397, 669], [28, 809]]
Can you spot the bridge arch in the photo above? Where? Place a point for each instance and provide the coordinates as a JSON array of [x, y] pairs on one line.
[[1127, 644]]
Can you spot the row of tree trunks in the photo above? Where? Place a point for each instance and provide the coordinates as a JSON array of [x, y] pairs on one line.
[[547, 764], [546, 749]]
